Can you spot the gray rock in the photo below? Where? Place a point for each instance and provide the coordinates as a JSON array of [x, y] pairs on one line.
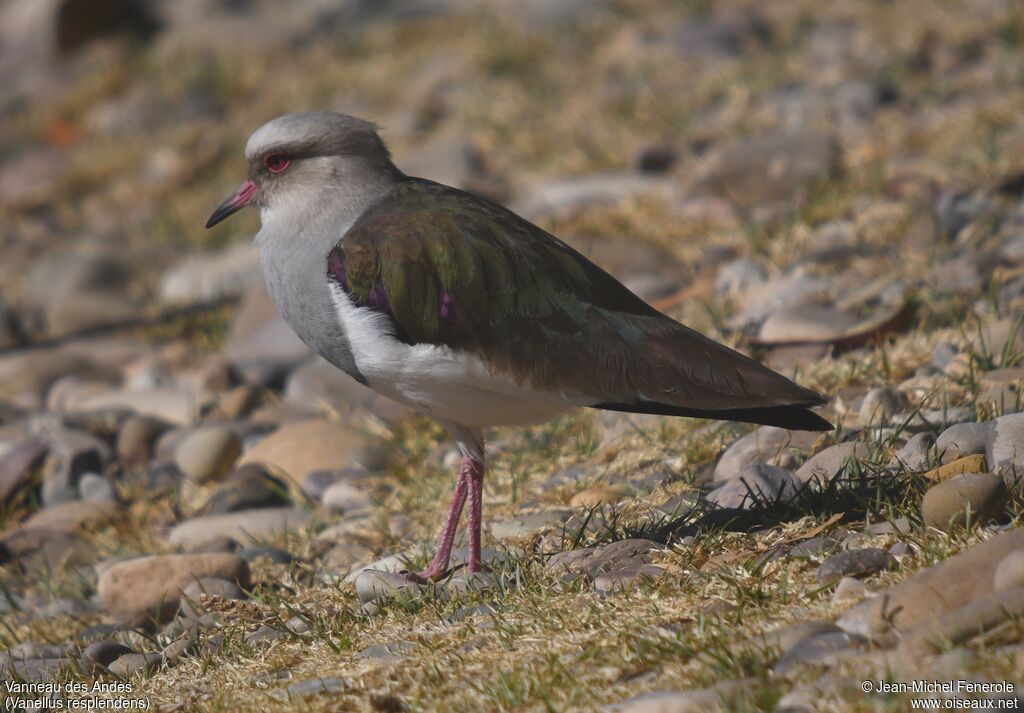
[[799, 323], [128, 665], [1010, 572], [249, 487], [243, 526], [96, 488], [963, 439], [755, 486], [817, 546], [851, 591], [832, 462], [626, 578], [558, 197], [767, 444], [738, 276], [274, 554], [372, 586], [179, 648], [17, 463], [388, 653], [136, 439], [786, 637], [463, 582], [208, 453], [192, 595], [344, 497], [202, 278], [855, 563], [915, 453], [822, 650], [309, 688], [725, 694], [316, 483], [880, 405], [1004, 452], [72, 454], [980, 498], [592, 561]]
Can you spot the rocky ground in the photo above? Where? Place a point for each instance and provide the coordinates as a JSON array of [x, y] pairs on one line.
[[195, 506]]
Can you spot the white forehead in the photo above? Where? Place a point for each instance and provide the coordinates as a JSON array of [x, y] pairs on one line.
[[273, 133]]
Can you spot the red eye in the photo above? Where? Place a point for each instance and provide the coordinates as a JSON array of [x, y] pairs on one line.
[[276, 162]]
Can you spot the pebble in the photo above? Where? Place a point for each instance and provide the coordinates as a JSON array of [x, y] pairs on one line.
[[697, 700], [72, 454], [1010, 572], [822, 650], [137, 437], [850, 591], [372, 586], [17, 464], [249, 487], [803, 323], [928, 593], [309, 688], [756, 486], [128, 665], [963, 439], [298, 449], [830, 463], [391, 652], [855, 563], [140, 591], [915, 454], [738, 276], [767, 444], [981, 497], [880, 405], [244, 526], [316, 483], [208, 453], [179, 648], [626, 578], [343, 497], [592, 561], [96, 488], [192, 595], [598, 495], [817, 546], [1005, 449]]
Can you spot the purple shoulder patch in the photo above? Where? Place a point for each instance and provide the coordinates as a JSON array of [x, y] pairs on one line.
[[447, 309], [336, 268]]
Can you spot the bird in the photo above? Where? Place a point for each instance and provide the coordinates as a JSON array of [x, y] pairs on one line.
[[461, 309]]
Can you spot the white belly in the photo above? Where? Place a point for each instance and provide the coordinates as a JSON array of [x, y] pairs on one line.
[[450, 386]]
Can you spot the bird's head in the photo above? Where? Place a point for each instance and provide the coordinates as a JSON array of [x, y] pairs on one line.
[[294, 159]]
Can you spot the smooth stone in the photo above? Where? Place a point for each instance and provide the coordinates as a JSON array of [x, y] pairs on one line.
[[981, 497], [70, 516], [136, 439], [529, 524], [561, 196], [323, 686], [242, 526], [343, 497], [96, 488], [962, 624], [463, 582], [373, 585], [830, 463], [32, 650], [805, 323], [627, 578], [930, 592], [203, 278], [317, 482], [1004, 452], [963, 439], [967, 464], [208, 453], [179, 648], [823, 650], [17, 464], [100, 654], [756, 486], [140, 591], [1010, 572], [697, 700], [72, 454], [592, 561], [915, 453], [880, 405], [40, 670], [274, 554], [249, 487], [129, 665], [816, 546], [738, 276], [191, 596], [789, 635], [297, 449], [855, 563], [178, 405], [850, 591], [388, 653], [767, 444], [392, 564]]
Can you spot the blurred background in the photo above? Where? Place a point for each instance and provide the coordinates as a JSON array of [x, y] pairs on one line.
[[796, 178]]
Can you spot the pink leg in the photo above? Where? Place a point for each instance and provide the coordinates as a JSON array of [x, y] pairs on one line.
[[439, 564], [476, 493]]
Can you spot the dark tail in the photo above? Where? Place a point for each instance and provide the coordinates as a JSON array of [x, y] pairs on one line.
[[797, 417]]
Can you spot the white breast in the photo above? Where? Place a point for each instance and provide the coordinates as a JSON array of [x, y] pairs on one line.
[[448, 385]]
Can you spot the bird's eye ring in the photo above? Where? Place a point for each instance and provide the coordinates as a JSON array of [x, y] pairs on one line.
[[276, 162]]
